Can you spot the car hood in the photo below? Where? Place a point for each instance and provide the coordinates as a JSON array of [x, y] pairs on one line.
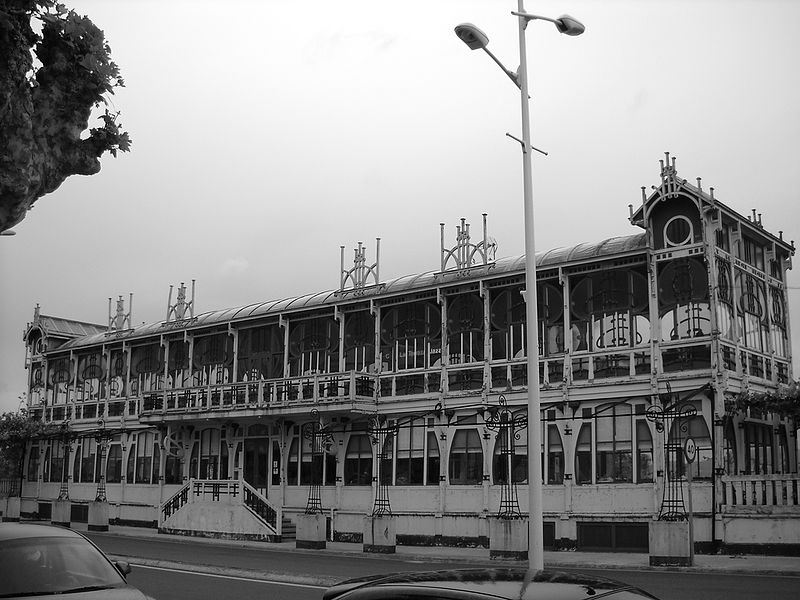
[[120, 593]]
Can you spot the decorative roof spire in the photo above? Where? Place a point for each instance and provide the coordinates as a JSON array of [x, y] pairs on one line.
[[465, 254], [181, 309], [120, 320], [360, 274]]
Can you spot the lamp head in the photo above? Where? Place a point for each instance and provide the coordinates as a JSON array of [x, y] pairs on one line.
[[472, 36], [569, 25]]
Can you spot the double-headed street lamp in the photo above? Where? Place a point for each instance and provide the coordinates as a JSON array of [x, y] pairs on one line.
[[476, 39]]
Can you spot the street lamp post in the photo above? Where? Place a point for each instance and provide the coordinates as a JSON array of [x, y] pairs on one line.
[[476, 39]]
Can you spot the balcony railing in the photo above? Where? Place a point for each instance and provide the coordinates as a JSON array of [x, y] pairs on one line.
[[763, 491], [310, 389]]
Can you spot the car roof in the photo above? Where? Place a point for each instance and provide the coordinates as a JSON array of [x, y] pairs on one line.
[[16, 531], [501, 583]]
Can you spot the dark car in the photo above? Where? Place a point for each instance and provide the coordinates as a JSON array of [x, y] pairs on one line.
[[44, 560], [484, 584]]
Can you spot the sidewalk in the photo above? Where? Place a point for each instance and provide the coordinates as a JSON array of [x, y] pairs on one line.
[[720, 563]]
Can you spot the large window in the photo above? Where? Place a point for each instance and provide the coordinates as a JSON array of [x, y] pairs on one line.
[[208, 454], [758, 458], [696, 428], [305, 467], [615, 446], [314, 346], [358, 460], [508, 323], [683, 299], [465, 329], [147, 369], [85, 460], [583, 455], [753, 316], [614, 443], [91, 375], [412, 456], [213, 359], [359, 341], [513, 445], [609, 309], [555, 456], [644, 452], [411, 336], [33, 463], [54, 462], [260, 353], [466, 458], [114, 461], [144, 459]]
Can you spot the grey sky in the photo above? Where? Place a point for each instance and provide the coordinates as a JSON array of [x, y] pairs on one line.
[[268, 133]]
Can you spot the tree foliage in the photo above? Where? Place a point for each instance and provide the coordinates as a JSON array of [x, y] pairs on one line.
[[784, 402], [55, 68], [17, 429]]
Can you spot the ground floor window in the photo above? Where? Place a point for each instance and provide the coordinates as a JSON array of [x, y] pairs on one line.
[[466, 458], [114, 461], [85, 467], [358, 460]]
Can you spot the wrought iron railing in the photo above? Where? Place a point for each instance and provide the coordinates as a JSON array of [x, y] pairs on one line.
[[261, 507], [174, 504]]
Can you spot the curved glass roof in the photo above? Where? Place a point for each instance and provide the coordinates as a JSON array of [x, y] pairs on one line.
[[509, 265]]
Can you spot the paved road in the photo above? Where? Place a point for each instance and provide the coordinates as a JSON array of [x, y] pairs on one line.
[[236, 567], [169, 584], [302, 567]]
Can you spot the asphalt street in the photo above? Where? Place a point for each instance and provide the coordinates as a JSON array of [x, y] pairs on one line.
[[178, 568]]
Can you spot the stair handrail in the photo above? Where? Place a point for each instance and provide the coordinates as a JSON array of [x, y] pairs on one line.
[[262, 507], [178, 500]]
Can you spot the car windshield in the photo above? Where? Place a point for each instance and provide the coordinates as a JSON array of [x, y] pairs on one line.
[[53, 565]]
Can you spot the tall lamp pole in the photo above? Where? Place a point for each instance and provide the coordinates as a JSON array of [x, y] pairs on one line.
[[476, 39]]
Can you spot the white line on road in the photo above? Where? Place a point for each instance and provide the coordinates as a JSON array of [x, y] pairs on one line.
[[237, 578]]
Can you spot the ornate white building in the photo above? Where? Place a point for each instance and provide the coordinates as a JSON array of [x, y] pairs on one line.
[[409, 396]]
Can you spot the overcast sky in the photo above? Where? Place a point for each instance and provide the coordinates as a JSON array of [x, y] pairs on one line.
[[268, 133]]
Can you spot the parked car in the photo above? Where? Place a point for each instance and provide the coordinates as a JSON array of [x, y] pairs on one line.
[[483, 584], [45, 560]]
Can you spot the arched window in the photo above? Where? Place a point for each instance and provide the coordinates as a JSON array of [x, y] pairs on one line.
[[466, 458], [358, 460]]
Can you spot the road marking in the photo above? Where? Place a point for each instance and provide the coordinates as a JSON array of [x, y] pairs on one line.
[[237, 578], [676, 571]]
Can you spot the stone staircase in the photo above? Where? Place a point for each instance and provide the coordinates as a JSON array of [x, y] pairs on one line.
[[288, 530]]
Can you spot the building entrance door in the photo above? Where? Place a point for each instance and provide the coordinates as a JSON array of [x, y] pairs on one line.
[[257, 464]]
